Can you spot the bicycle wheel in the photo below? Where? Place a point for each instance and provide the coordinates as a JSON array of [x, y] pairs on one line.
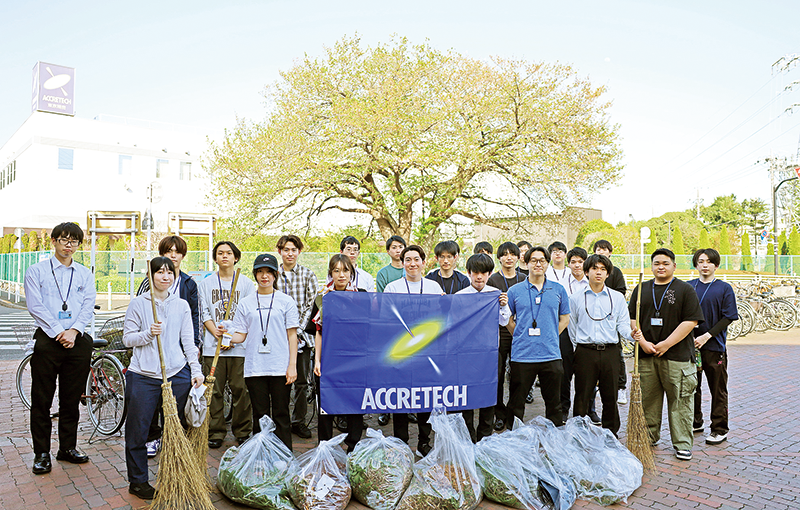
[[24, 381], [105, 394], [747, 317], [782, 315], [734, 330]]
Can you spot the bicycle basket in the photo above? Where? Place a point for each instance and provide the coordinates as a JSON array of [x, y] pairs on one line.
[[112, 333], [24, 332]]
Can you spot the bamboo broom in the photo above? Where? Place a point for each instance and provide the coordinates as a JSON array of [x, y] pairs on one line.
[[198, 437], [179, 481], [638, 435]]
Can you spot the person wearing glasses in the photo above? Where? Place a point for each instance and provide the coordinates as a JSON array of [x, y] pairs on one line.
[[299, 283], [60, 295], [541, 312], [352, 248], [598, 314]]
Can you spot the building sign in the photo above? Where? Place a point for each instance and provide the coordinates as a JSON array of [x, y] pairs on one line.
[[53, 89]]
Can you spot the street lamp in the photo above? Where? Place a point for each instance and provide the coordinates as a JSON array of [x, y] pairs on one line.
[[775, 217]]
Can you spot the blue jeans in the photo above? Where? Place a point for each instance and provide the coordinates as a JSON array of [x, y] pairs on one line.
[[142, 395]]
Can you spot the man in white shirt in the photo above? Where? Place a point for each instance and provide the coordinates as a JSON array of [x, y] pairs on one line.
[[60, 295], [479, 269], [351, 247], [413, 258], [557, 271]]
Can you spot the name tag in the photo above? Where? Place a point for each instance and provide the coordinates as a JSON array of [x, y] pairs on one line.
[[534, 331], [538, 299], [65, 315], [656, 321], [264, 349]]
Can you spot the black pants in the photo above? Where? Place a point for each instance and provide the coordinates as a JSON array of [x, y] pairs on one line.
[[52, 361], [715, 367], [300, 396], [400, 427], [355, 424], [522, 377], [500, 409], [597, 368], [623, 370], [485, 422], [270, 395], [567, 356]]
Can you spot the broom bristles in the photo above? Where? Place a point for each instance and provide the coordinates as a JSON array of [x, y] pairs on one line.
[[198, 440], [638, 435], [179, 481]]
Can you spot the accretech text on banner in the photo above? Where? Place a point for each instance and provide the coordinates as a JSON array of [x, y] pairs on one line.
[[408, 353]]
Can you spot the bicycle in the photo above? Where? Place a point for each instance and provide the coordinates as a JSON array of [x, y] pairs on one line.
[[104, 395]]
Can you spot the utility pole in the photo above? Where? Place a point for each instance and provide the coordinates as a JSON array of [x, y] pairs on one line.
[[697, 202]]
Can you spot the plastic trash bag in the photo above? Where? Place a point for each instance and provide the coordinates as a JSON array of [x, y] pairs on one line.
[[379, 470], [446, 479], [318, 478], [254, 473], [603, 470]]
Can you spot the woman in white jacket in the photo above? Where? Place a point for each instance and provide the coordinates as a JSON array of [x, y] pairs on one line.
[[144, 373]]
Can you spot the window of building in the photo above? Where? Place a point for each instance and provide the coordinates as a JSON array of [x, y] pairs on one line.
[[186, 171], [8, 174], [65, 159], [125, 163], [162, 166]]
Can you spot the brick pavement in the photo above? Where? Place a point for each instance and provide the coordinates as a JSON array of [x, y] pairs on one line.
[[758, 467]]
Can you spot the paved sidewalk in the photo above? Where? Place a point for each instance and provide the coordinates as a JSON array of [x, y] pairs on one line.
[[757, 468]]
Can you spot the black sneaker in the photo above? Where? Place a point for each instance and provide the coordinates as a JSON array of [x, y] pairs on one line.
[[301, 430], [412, 418], [499, 425], [214, 443], [424, 448], [529, 398], [697, 428], [595, 419], [341, 423], [383, 419], [142, 490]]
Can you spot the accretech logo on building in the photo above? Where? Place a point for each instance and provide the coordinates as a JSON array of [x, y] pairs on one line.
[[53, 89]]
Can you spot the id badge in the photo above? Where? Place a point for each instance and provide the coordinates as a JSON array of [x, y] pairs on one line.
[[226, 339], [538, 299], [534, 331], [65, 315], [264, 348], [656, 321]]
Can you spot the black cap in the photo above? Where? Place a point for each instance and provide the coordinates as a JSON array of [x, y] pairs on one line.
[[265, 260]]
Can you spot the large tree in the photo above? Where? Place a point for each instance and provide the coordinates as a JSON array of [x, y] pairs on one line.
[[411, 137]]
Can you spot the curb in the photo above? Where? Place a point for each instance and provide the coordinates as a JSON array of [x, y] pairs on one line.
[[15, 306]]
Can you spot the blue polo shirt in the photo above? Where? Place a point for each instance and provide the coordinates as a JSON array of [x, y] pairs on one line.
[[554, 302]]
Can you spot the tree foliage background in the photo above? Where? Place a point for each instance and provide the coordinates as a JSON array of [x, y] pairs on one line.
[[410, 137]]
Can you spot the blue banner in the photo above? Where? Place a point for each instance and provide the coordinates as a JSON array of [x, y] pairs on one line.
[[400, 353]]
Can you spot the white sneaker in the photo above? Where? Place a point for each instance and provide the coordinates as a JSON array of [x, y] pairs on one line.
[[153, 447], [622, 396], [715, 438], [683, 455]]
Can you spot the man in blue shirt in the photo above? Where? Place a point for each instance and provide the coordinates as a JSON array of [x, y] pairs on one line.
[[541, 312], [597, 315], [718, 303]]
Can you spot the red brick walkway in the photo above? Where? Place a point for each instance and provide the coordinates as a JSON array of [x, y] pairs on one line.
[[759, 466]]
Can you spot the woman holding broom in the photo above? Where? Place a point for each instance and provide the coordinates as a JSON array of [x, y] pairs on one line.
[[144, 376]]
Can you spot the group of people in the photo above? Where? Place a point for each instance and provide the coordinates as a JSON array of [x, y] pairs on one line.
[[562, 314]]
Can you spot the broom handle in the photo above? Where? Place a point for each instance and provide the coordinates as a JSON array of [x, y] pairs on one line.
[[225, 317], [638, 325], [155, 320]]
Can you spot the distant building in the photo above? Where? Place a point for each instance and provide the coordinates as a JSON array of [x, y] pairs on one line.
[[540, 230]]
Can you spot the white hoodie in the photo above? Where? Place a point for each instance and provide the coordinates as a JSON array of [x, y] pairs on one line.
[[176, 326]]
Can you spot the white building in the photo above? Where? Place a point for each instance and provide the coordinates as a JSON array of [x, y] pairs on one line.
[[57, 167]]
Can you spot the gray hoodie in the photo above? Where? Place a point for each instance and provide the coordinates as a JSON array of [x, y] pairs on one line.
[[177, 338]]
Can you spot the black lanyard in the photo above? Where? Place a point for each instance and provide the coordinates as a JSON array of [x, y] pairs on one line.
[[539, 305], [661, 301], [261, 318], [704, 292], [563, 273], [516, 279], [452, 283], [409, 288], [63, 299], [586, 307]]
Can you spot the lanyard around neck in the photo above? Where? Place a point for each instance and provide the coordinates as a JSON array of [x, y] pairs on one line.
[[505, 280], [452, 283], [586, 306], [661, 301], [261, 318], [705, 291], [420, 285], [563, 273], [63, 299], [531, 300]]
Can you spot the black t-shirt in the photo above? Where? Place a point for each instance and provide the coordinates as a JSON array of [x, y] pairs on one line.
[[526, 272], [678, 303], [498, 281], [616, 281], [450, 285]]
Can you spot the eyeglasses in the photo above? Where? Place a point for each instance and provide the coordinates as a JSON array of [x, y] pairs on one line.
[[68, 242], [537, 262]]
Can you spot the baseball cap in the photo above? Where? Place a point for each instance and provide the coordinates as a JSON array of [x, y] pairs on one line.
[[265, 260]]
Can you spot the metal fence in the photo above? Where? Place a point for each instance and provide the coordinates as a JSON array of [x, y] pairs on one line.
[[114, 266]]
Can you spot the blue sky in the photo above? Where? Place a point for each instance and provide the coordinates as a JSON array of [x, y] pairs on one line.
[[674, 70]]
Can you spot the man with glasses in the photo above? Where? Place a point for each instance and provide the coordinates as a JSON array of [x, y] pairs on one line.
[[351, 247], [541, 312], [670, 310], [300, 283], [60, 295]]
